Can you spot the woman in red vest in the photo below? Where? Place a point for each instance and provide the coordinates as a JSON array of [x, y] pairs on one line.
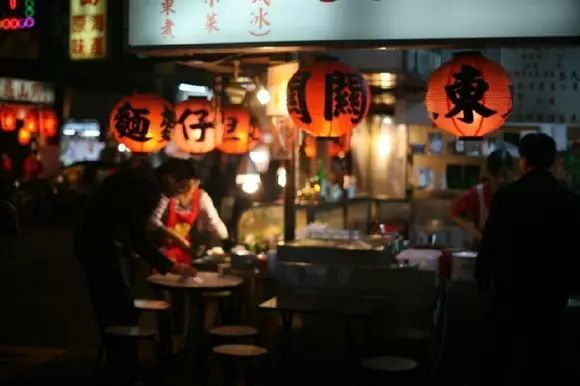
[[194, 208]]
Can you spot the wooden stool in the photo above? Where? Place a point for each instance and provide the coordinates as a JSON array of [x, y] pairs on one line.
[[233, 332], [161, 309], [243, 356], [152, 305], [397, 370]]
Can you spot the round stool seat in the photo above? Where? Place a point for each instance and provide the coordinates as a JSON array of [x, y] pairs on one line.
[[389, 364], [234, 331], [219, 295], [131, 332], [152, 305], [240, 350]]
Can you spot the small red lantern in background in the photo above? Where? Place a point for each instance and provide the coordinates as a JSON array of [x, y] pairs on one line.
[[8, 119], [31, 121], [24, 137], [239, 136], [310, 146], [469, 96], [142, 122], [196, 128], [48, 123], [328, 99], [339, 146]]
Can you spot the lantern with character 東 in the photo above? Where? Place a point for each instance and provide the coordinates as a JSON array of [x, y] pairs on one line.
[[469, 96], [196, 128], [142, 122], [328, 99]]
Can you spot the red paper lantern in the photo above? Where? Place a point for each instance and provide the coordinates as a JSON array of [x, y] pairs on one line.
[[310, 146], [31, 121], [196, 128], [8, 119], [339, 146], [142, 122], [24, 137], [469, 96], [328, 99], [48, 123], [239, 135]]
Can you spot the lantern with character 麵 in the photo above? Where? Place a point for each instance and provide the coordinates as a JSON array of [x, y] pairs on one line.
[[196, 130], [328, 99], [469, 96], [142, 122]]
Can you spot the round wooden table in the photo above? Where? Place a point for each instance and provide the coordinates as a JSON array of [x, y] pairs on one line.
[[193, 341]]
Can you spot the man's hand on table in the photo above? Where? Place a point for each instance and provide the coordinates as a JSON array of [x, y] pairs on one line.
[[183, 270]]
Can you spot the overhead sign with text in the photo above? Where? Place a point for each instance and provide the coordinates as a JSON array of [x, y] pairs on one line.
[[250, 22]]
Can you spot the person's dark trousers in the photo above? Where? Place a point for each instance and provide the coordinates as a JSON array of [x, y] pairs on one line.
[[113, 305], [526, 344]]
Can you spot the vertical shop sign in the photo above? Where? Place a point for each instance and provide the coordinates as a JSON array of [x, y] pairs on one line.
[[167, 10], [260, 25], [211, 24], [88, 29]]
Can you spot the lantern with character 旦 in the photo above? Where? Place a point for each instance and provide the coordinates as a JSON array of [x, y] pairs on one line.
[[7, 119], [142, 122], [469, 96], [328, 99], [240, 134], [48, 123], [196, 128]]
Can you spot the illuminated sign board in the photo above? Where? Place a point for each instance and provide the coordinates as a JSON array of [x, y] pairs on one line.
[[17, 14], [88, 29], [30, 91], [238, 23]]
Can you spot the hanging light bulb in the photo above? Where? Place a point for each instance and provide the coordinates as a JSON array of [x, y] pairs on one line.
[[282, 176], [260, 156], [251, 183], [263, 96]]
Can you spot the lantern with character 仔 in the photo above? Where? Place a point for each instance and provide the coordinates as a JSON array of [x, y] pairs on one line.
[[240, 135], [469, 96], [328, 99], [142, 122], [196, 128], [7, 119]]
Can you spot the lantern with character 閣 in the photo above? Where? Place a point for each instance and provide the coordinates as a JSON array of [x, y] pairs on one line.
[[240, 134], [142, 122], [469, 96], [196, 128], [328, 99]]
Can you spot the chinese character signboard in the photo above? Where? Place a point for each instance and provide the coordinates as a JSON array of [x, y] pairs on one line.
[[546, 82], [17, 14], [88, 29], [19, 90], [154, 23]]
